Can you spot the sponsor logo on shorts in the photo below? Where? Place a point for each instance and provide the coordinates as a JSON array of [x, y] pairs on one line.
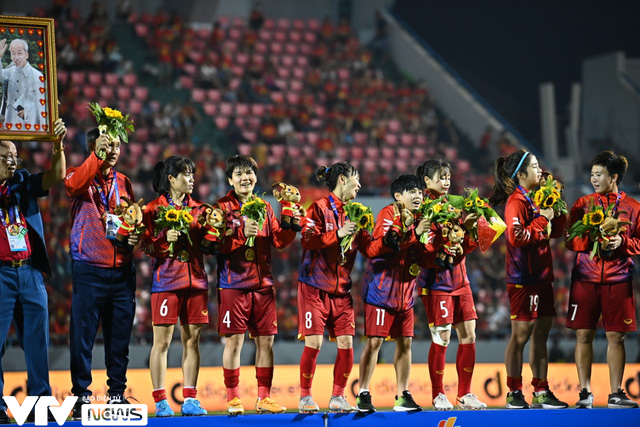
[[628, 321], [275, 323], [353, 325], [205, 312]]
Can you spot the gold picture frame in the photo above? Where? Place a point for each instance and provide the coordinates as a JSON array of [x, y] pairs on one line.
[[28, 80]]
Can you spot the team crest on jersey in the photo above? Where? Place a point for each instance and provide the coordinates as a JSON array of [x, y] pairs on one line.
[[236, 222], [329, 226]]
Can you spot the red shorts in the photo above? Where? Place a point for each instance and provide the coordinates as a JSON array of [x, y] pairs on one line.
[[242, 309], [531, 302], [187, 304], [446, 309], [615, 303], [381, 322], [317, 309]]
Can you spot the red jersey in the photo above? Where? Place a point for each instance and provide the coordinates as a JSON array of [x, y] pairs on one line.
[[528, 253], [321, 253], [619, 267], [169, 272], [88, 190], [388, 282], [243, 267]]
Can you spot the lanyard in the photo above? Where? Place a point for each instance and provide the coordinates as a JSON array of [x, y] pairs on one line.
[[335, 210], [114, 189], [534, 208], [184, 202], [615, 208], [12, 215]]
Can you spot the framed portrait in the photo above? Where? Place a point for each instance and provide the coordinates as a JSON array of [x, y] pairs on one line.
[[28, 82]]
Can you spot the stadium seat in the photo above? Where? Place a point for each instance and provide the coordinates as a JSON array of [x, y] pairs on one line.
[[111, 79], [214, 95], [123, 93], [221, 122], [130, 80], [141, 93], [198, 95], [106, 93], [94, 78], [210, 109]]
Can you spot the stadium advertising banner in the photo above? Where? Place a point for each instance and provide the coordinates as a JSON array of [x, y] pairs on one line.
[[488, 383]]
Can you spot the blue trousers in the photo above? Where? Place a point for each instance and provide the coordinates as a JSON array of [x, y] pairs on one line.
[[107, 296], [23, 298]]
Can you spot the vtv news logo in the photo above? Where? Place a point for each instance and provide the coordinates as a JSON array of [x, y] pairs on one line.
[[92, 415]]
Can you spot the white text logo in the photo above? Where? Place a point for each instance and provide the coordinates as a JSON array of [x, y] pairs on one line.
[[114, 415], [59, 412]]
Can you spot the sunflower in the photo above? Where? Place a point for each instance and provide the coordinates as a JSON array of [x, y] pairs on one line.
[[109, 112], [549, 201], [479, 202], [366, 222], [596, 218], [437, 208], [187, 217], [556, 193], [468, 203], [538, 198], [172, 215], [585, 219]]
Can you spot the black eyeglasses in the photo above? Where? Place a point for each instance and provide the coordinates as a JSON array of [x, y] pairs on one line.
[[11, 160]]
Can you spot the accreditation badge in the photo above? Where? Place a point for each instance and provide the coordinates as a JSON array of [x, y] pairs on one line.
[[16, 237], [112, 224]]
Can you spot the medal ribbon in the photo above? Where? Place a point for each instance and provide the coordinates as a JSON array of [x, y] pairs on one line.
[[534, 208], [12, 215], [114, 189], [615, 208]]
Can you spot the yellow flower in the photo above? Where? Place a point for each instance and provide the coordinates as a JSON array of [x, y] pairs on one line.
[[549, 201], [596, 218], [437, 208], [172, 215], [479, 202], [585, 219], [187, 217], [538, 198], [468, 203], [112, 113], [556, 193]]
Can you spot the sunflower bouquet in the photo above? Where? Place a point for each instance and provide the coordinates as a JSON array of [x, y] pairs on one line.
[[112, 121], [438, 210], [589, 226], [490, 225], [549, 196], [362, 216], [255, 209], [170, 218]]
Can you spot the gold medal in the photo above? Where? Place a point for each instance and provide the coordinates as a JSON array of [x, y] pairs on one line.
[[414, 270], [343, 259], [183, 256], [250, 255]]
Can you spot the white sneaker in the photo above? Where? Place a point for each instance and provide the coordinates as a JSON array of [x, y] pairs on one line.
[[441, 403], [340, 404], [470, 401], [307, 405]]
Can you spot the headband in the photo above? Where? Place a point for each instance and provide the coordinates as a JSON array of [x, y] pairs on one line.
[[526, 153]]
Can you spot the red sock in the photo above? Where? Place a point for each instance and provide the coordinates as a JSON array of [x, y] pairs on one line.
[[539, 385], [189, 392], [265, 378], [436, 368], [342, 370], [307, 369], [231, 381], [465, 362], [514, 383], [159, 395]]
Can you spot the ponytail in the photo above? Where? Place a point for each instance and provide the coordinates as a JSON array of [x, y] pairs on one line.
[[507, 167], [330, 175]]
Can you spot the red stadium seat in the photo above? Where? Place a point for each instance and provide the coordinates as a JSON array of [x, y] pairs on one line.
[[210, 109], [111, 79], [214, 95], [226, 109], [242, 109], [124, 93], [257, 110], [276, 48], [89, 92], [94, 78], [130, 80], [77, 77], [186, 82], [244, 149], [106, 93], [221, 122], [141, 93], [198, 95], [283, 24], [391, 140]]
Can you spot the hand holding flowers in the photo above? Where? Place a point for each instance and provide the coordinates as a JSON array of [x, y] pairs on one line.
[[255, 210], [362, 218], [177, 221]]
